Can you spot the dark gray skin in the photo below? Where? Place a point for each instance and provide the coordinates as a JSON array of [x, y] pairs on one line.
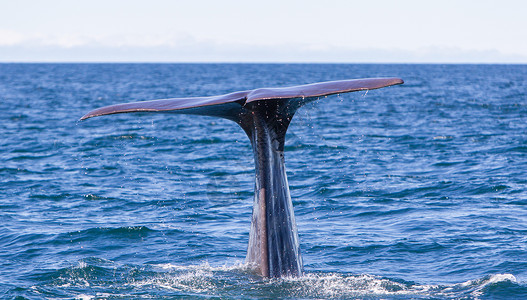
[[273, 241], [264, 115]]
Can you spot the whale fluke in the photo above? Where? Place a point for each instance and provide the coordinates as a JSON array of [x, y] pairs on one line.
[[201, 104], [264, 114]]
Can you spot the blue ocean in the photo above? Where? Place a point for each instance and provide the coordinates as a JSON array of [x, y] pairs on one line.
[[417, 191]]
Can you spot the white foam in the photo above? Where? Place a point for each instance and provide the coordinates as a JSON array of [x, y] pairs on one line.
[[204, 279], [239, 278], [339, 285]]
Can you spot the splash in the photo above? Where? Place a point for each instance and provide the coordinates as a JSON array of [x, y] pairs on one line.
[[226, 281], [98, 278]]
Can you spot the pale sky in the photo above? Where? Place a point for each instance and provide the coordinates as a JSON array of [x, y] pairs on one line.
[[264, 31]]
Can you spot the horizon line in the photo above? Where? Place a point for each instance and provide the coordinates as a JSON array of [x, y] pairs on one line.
[[265, 62]]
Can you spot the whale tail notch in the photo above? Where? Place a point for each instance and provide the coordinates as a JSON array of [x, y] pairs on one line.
[[264, 114]]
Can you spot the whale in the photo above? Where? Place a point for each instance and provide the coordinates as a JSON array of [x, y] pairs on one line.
[[264, 114]]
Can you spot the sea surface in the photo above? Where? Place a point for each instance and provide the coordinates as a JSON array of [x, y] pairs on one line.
[[416, 191]]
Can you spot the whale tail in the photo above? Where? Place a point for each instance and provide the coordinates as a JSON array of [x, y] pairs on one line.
[[264, 114]]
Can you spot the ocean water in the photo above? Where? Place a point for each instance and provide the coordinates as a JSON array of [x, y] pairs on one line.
[[416, 191]]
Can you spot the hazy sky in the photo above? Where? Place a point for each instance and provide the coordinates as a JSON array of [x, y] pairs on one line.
[[264, 31]]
